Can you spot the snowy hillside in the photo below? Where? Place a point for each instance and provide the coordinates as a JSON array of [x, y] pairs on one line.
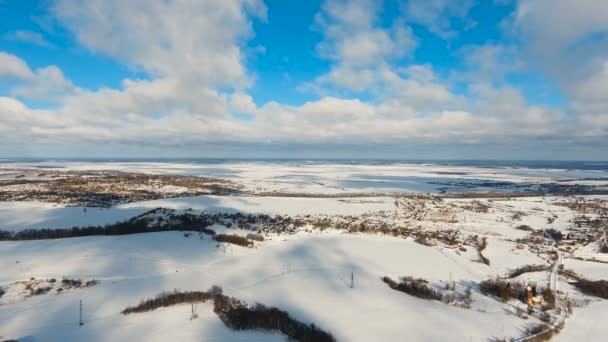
[[426, 268]]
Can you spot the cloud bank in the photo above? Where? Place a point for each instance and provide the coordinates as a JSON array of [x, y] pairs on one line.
[[197, 93]]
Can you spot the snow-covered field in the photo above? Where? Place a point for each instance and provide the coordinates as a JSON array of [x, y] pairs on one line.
[[24, 215], [316, 289], [336, 178], [306, 273]]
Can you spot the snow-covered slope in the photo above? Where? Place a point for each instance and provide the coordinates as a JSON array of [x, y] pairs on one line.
[[306, 275]]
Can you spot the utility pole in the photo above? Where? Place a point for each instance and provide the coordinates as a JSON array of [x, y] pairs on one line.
[[451, 284], [80, 316], [193, 311], [352, 280]]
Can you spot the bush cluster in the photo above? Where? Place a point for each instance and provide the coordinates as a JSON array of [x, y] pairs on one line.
[[480, 247], [524, 227], [234, 239], [549, 298], [237, 315], [414, 287], [144, 223], [527, 269], [554, 234], [174, 297], [598, 288], [77, 283], [503, 289], [255, 237]]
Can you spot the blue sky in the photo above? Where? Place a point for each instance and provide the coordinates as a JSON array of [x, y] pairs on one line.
[[325, 78]]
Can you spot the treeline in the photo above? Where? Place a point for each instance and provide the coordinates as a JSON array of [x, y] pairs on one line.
[[527, 269], [132, 226], [237, 315], [233, 239], [148, 222], [596, 288]]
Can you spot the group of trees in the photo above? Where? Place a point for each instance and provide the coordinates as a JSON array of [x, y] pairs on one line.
[[144, 223], [233, 239], [238, 315], [414, 287], [527, 269], [503, 289], [598, 288]]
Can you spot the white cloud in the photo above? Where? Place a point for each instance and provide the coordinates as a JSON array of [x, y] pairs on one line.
[[13, 67], [193, 41], [595, 87], [197, 80], [357, 44], [48, 83], [569, 41], [243, 103], [560, 24], [27, 36], [438, 15], [488, 62]]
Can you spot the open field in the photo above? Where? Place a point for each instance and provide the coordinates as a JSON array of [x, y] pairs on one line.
[[321, 260]]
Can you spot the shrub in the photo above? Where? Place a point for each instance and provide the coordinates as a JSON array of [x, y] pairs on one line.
[[528, 268], [71, 283], [40, 291], [468, 297], [413, 287], [77, 283], [423, 241], [208, 231], [483, 259], [518, 215], [165, 299], [524, 227], [255, 237], [234, 239], [554, 234], [502, 289], [90, 283], [480, 247], [549, 298], [2, 292]]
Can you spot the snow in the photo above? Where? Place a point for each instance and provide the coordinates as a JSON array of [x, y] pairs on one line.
[[316, 289], [500, 265], [588, 269], [587, 323], [306, 273], [16, 216], [335, 178]]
